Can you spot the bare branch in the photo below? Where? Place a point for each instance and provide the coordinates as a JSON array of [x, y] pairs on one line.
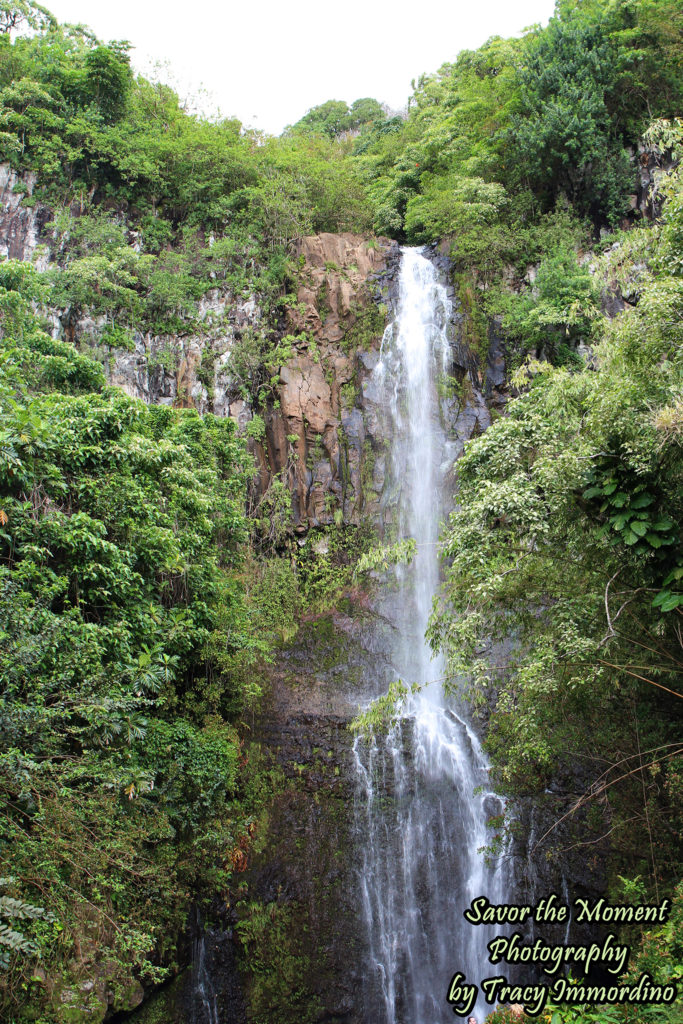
[[591, 795], [637, 676]]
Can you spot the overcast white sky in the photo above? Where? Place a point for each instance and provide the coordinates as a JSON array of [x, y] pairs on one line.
[[268, 62]]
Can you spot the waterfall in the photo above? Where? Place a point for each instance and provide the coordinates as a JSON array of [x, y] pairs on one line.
[[422, 799], [203, 1000]]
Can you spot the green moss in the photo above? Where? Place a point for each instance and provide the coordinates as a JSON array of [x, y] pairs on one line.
[[367, 472], [165, 357], [367, 328], [206, 371], [285, 943], [316, 453], [448, 386], [114, 336], [348, 393], [256, 428], [162, 1006], [475, 325], [322, 302]]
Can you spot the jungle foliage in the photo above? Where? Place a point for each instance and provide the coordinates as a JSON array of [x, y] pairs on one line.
[[566, 548], [131, 633], [504, 132], [138, 604], [526, 148]]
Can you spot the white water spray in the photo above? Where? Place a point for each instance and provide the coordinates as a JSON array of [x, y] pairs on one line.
[[422, 800], [204, 1003]]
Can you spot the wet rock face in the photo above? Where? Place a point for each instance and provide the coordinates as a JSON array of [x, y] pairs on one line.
[[557, 851], [318, 431], [306, 872], [207, 991], [495, 388], [651, 164], [327, 434], [306, 875], [336, 321], [335, 269], [22, 227]]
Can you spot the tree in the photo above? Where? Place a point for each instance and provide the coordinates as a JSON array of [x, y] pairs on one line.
[[553, 317], [108, 78], [332, 118], [14, 14], [366, 111], [563, 135]]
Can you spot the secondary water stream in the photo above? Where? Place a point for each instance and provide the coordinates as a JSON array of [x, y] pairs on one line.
[[422, 799], [203, 1000]]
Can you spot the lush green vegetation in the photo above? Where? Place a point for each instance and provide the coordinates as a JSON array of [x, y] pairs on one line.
[[131, 632], [504, 138], [506, 131], [566, 545], [154, 206], [134, 619], [523, 149], [139, 601]]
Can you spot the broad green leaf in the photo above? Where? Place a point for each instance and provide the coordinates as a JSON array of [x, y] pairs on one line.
[[642, 501], [662, 525]]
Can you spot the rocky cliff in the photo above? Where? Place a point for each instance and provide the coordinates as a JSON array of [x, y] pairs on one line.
[[323, 433], [317, 438]]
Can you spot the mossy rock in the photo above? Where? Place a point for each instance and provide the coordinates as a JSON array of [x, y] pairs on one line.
[[164, 1006]]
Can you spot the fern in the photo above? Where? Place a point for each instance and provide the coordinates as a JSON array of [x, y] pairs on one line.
[[12, 909]]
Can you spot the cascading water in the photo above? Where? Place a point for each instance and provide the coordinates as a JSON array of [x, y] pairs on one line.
[[421, 798], [203, 1000]]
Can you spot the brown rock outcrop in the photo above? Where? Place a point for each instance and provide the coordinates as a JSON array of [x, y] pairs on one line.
[[335, 271], [335, 318]]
